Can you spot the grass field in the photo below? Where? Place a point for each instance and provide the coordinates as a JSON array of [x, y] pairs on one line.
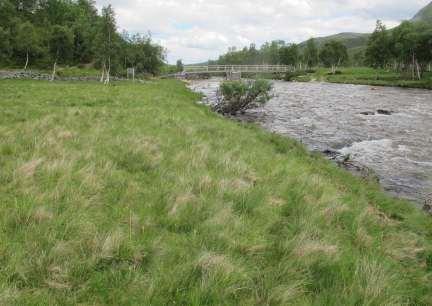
[[368, 76], [133, 194]]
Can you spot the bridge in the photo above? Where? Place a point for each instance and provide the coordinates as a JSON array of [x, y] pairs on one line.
[[230, 69]]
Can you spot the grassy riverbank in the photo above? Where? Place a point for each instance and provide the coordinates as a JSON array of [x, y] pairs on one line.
[[133, 194], [368, 76]]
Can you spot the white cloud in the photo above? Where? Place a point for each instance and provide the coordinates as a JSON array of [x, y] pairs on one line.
[[196, 30]]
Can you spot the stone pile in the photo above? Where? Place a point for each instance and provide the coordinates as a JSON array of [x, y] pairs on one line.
[[33, 75]]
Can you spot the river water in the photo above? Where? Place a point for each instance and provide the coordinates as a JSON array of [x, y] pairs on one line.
[[383, 128]]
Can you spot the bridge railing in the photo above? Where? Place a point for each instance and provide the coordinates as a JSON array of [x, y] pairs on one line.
[[237, 68]]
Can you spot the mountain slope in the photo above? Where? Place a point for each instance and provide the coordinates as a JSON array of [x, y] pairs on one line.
[[425, 14], [350, 40], [359, 40]]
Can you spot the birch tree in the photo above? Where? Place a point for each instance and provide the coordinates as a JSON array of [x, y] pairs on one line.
[[106, 42], [333, 54], [289, 55], [27, 41], [311, 53], [61, 43]]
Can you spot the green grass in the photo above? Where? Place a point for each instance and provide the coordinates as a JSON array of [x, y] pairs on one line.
[[368, 76], [78, 72], [133, 194]]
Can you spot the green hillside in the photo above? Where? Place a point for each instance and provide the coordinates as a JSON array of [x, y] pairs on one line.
[[351, 40], [425, 14], [359, 40]]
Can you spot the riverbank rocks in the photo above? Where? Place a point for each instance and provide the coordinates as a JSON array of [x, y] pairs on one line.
[[345, 161], [32, 75], [427, 207], [6, 74]]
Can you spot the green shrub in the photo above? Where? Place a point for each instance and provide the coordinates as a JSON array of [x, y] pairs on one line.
[[290, 76], [337, 72], [235, 96]]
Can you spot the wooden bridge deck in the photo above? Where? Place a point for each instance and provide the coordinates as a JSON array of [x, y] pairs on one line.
[[236, 68]]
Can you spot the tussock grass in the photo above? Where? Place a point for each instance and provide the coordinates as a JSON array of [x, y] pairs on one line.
[[133, 194]]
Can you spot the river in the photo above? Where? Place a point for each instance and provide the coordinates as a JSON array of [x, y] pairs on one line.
[[386, 129]]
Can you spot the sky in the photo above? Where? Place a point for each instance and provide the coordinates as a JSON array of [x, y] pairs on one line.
[[198, 30]]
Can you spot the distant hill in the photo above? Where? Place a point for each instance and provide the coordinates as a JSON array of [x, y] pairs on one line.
[[350, 40], [358, 41], [425, 14]]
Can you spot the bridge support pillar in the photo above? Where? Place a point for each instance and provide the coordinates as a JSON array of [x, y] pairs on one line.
[[233, 75]]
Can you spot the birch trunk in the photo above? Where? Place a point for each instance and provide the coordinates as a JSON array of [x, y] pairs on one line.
[[413, 67], [27, 60], [418, 70], [107, 80], [54, 71], [55, 66], [103, 73]]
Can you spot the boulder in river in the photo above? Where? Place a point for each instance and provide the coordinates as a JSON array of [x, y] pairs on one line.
[[384, 112], [367, 113]]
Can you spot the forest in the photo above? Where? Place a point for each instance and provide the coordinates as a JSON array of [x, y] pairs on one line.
[[406, 48], [46, 33], [42, 34]]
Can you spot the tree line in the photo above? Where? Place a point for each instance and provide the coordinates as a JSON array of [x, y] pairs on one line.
[[331, 54], [406, 48], [47, 33]]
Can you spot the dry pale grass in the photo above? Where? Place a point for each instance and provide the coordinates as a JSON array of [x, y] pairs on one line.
[[333, 210], [211, 262], [62, 249], [205, 183], [42, 214], [306, 246], [275, 201], [199, 155], [90, 178], [65, 135], [58, 278], [28, 169], [181, 200], [374, 281], [235, 185], [363, 238], [403, 247], [144, 145], [223, 216], [9, 295], [231, 161], [64, 164], [287, 294], [111, 245], [380, 218], [255, 249]]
